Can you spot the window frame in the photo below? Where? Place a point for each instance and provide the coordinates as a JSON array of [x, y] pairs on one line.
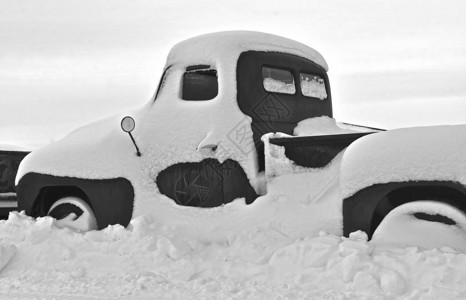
[[161, 82]]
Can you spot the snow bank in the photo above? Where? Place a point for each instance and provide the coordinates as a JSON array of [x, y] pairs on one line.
[[6, 253], [261, 263], [408, 154], [274, 248]]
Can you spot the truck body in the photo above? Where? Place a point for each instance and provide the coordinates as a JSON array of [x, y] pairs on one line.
[[201, 142]]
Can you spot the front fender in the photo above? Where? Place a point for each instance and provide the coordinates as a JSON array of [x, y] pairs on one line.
[[112, 200]]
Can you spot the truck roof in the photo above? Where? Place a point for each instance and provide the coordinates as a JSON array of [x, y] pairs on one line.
[[228, 45]]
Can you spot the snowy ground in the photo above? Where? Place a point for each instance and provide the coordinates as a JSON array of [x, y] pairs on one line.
[[139, 262], [277, 250]]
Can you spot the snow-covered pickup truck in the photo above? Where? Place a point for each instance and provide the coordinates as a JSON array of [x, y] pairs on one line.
[[200, 142]]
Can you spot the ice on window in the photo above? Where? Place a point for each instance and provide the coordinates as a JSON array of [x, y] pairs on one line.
[[278, 81], [313, 86]]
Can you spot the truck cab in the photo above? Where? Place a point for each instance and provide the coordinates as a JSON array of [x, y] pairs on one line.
[[199, 136]]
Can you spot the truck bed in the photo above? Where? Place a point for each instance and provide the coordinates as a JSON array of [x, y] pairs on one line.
[[316, 151]]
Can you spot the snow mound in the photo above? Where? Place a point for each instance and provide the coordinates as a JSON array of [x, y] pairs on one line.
[[6, 253], [143, 261]]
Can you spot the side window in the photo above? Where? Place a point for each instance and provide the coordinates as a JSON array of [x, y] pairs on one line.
[[312, 86], [278, 81], [199, 83]]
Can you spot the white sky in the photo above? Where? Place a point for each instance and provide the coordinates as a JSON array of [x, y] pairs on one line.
[[66, 63]]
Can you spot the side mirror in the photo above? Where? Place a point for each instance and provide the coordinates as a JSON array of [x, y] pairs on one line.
[[128, 124]]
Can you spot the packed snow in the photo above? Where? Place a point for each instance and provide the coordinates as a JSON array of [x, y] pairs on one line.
[[41, 261]]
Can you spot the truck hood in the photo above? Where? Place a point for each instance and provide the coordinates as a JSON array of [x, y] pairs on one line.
[[88, 152]]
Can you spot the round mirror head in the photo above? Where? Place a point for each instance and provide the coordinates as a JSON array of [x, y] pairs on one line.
[[128, 124]]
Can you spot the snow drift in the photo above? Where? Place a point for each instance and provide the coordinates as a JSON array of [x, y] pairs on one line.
[[260, 263]]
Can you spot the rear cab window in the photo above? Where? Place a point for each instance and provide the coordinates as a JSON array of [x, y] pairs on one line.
[[199, 83], [312, 86], [278, 80]]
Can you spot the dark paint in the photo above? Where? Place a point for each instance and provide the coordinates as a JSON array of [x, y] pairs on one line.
[[208, 183]]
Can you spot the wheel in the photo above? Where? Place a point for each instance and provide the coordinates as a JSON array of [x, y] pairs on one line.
[[74, 213], [427, 224]]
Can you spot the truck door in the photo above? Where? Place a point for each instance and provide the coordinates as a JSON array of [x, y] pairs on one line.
[[207, 183]]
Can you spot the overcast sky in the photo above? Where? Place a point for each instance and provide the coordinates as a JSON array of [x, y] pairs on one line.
[[66, 63]]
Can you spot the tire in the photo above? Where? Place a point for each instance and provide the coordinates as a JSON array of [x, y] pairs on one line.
[[73, 213], [426, 224]]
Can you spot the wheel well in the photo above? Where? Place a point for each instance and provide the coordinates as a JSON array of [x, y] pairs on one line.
[[48, 195], [404, 195]]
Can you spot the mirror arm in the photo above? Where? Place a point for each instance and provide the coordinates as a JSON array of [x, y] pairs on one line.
[[134, 142]]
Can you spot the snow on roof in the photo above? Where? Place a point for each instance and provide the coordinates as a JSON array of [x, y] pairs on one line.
[[230, 44], [435, 153]]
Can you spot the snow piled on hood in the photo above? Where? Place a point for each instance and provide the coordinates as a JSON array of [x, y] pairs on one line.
[[140, 262], [407, 154]]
